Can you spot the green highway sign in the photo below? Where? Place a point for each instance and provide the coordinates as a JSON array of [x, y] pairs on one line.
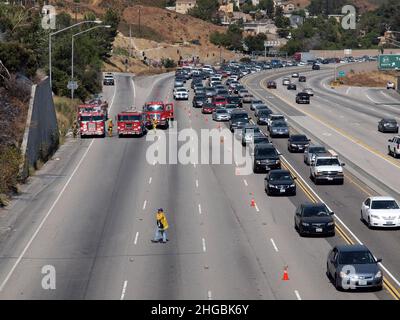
[[389, 62], [342, 74]]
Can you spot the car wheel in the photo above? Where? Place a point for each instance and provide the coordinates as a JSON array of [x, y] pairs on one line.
[[369, 223], [328, 274], [294, 193], [300, 230], [389, 151], [338, 285]]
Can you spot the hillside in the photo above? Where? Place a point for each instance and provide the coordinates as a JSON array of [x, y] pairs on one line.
[[160, 33], [362, 5]]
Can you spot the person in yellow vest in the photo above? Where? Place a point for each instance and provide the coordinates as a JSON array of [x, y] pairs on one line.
[[162, 226]]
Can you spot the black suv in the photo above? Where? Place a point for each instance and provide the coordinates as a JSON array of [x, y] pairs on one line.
[[314, 218], [388, 125], [239, 118], [280, 182], [298, 143], [266, 157], [302, 97], [235, 100]]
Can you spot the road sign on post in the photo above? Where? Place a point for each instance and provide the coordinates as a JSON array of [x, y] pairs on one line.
[[342, 74], [389, 62], [72, 85]]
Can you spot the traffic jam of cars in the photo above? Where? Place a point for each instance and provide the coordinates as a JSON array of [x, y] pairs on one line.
[[220, 93]]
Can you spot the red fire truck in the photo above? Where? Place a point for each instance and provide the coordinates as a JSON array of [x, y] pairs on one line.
[[131, 123], [158, 113], [92, 123]]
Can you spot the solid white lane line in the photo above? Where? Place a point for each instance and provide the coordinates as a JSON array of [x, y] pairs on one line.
[[209, 295], [199, 208], [204, 245], [274, 245], [136, 237], [258, 210], [337, 218], [245, 182], [150, 179], [297, 294], [197, 183], [44, 219], [52, 207], [144, 204], [124, 289]]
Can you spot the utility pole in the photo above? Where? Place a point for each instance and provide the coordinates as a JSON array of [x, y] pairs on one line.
[[130, 40], [139, 22]]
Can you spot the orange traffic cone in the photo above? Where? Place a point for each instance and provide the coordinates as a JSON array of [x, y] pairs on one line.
[[285, 274], [253, 203]]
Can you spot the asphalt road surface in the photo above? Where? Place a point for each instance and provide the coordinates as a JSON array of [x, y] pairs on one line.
[[90, 213]]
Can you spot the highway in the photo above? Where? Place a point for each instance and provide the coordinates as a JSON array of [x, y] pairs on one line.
[[90, 213], [368, 173]]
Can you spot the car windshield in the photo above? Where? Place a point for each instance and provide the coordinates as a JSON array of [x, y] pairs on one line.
[[274, 118], [384, 204], [92, 118], [356, 257], [252, 130], [315, 211], [220, 100], [391, 121], [264, 112], [280, 176], [259, 139], [221, 111], [200, 97], [129, 117], [328, 162], [278, 124], [266, 152], [181, 90], [317, 150], [154, 107], [238, 116], [233, 99], [257, 102], [299, 138]]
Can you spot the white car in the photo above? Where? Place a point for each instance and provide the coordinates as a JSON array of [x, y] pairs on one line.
[[181, 93], [394, 146], [309, 91], [381, 212], [390, 85], [285, 81], [295, 75]]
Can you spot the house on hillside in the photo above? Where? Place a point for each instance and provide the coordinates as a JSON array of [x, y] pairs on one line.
[[260, 26], [287, 6], [183, 6]]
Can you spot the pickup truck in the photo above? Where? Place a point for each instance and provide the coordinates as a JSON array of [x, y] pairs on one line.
[[327, 168]]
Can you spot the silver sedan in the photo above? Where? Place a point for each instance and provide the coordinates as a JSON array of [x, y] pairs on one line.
[[221, 115]]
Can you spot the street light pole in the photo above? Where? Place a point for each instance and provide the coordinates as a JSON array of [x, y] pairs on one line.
[[50, 44], [72, 54]]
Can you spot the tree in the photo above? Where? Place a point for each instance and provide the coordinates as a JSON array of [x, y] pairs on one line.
[[205, 10], [268, 6]]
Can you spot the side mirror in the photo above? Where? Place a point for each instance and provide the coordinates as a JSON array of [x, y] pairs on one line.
[[343, 164], [294, 178], [379, 260], [279, 154], [390, 140], [331, 213]]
